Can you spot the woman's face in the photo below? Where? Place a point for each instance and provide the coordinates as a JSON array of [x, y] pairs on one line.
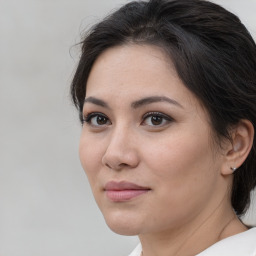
[[146, 144]]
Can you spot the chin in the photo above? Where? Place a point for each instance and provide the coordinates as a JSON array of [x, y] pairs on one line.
[[122, 224], [124, 230]]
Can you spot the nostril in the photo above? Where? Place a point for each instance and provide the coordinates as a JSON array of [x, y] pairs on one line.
[[108, 166], [123, 165], [119, 166]]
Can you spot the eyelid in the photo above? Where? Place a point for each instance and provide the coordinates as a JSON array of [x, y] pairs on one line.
[[91, 114], [155, 113], [166, 120], [87, 118]]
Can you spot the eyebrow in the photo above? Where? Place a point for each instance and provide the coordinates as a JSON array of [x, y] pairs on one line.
[[96, 101], [154, 99], [136, 104]]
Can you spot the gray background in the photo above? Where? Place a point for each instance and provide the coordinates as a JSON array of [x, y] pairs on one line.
[[46, 204]]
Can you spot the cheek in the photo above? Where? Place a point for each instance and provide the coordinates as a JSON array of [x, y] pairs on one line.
[[177, 155], [182, 166], [90, 158]]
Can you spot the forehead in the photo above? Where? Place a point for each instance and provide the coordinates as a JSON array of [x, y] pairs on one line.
[[136, 71]]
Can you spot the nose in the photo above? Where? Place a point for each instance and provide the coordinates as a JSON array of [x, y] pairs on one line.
[[121, 151]]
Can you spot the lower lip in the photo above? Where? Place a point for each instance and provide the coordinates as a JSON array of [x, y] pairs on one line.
[[124, 195]]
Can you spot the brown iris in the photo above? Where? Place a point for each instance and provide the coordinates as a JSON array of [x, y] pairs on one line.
[[156, 120]]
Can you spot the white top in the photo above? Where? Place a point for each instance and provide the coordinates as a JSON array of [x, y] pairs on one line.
[[242, 244]]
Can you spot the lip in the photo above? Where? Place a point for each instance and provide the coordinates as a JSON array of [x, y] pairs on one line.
[[123, 191]]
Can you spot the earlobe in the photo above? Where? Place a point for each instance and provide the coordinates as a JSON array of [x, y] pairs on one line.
[[233, 169], [242, 139]]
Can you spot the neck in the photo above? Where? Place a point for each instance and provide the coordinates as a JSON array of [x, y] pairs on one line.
[[195, 236]]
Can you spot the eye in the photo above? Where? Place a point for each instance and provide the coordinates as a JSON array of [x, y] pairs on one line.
[[156, 119], [96, 119]]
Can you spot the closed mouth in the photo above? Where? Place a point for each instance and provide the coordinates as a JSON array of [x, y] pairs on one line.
[[123, 191]]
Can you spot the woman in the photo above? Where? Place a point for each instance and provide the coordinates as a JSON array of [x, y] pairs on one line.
[[166, 92]]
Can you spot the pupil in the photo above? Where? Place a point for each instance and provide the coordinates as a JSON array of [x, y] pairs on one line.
[[156, 120], [101, 120]]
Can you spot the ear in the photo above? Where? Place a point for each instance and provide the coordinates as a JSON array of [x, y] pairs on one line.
[[237, 151]]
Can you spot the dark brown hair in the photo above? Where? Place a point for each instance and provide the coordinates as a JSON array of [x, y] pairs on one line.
[[214, 56]]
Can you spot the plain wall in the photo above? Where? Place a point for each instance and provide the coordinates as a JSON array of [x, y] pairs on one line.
[[46, 204]]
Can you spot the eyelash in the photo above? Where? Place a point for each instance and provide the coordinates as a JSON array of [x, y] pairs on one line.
[[88, 118], [165, 117]]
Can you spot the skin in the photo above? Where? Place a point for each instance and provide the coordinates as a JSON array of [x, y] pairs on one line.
[[175, 157]]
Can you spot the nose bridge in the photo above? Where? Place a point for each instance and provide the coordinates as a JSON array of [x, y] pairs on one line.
[[121, 150]]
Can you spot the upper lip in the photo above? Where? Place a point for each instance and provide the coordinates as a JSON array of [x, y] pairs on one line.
[[123, 185]]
